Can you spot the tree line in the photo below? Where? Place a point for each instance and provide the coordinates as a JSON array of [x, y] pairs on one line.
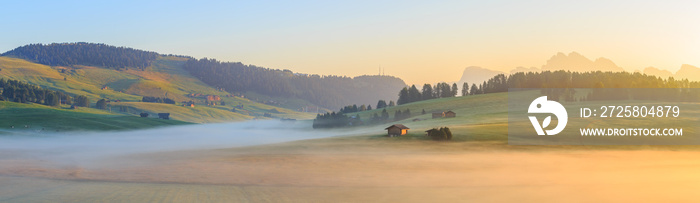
[[340, 119], [383, 104], [158, 100], [81, 53], [558, 79], [498, 83], [597, 79], [354, 108], [439, 90], [601, 82], [17, 91], [335, 120]]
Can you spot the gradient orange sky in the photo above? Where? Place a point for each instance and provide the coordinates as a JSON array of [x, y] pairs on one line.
[[417, 41]]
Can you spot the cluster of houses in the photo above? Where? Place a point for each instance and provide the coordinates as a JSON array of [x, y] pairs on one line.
[[400, 129]]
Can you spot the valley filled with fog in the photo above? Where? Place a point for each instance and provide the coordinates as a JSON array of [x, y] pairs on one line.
[[274, 161], [86, 149]]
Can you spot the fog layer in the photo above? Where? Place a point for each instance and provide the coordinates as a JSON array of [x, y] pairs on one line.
[[84, 149]]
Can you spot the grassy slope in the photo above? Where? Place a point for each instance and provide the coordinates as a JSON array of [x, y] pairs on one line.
[[165, 76], [485, 118], [39, 117], [196, 114], [479, 117], [50, 77]]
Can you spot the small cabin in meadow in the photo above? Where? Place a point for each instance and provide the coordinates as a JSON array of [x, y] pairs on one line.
[[165, 116], [397, 130]]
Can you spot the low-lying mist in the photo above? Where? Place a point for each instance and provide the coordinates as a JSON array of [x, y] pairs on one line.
[[123, 167], [84, 149]]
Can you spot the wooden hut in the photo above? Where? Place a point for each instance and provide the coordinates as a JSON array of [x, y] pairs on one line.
[[396, 130], [438, 114], [450, 114]]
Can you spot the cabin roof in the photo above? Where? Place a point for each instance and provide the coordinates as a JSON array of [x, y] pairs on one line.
[[400, 126], [449, 112]]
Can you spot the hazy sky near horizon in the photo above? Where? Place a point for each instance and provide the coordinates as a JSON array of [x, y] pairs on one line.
[[419, 41]]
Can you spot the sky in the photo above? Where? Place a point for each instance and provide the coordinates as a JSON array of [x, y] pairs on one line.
[[418, 41]]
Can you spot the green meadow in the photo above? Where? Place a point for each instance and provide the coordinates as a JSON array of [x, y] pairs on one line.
[[52, 119], [479, 117]]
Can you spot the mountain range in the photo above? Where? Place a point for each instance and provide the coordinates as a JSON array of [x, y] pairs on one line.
[[686, 71], [576, 62]]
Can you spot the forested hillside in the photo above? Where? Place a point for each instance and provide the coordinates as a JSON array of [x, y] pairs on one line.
[[327, 91], [324, 91], [81, 53], [125, 89]]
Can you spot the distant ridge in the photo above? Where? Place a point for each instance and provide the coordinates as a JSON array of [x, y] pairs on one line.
[[576, 62], [560, 61], [657, 72], [688, 72], [475, 74]]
